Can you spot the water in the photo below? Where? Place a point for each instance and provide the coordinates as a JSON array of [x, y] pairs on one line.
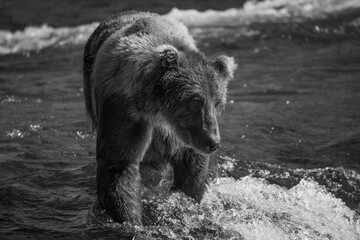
[[290, 158]]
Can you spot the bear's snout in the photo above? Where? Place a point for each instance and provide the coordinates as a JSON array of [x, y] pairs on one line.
[[212, 145], [212, 141]]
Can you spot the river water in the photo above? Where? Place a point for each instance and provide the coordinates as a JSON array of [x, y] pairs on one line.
[[290, 158]]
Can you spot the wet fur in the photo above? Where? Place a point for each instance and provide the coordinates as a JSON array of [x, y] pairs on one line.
[[139, 70]]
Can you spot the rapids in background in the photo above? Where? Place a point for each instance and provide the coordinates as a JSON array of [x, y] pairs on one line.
[[345, 13], [290, 158]]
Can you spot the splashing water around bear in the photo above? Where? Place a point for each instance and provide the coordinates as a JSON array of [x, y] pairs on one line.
[[249, 208]]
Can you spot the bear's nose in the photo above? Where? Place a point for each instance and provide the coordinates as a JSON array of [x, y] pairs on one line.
[[213, 143], [212, 147]]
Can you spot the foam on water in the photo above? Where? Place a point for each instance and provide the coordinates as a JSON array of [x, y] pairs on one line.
[[250, 208], [34, 38], [264, 11], [266, 211]]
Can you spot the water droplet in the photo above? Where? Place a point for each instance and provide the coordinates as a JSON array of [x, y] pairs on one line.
[[15, 133], [227, 166], [82, 135], [10, 99], [35, 127]]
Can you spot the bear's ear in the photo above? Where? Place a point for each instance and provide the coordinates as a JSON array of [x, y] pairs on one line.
[[167, 56], [225, 66]]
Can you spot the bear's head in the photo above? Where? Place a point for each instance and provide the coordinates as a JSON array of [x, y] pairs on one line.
[[192, 92]]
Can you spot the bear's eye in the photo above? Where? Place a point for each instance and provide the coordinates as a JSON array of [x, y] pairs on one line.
[[195, 104]]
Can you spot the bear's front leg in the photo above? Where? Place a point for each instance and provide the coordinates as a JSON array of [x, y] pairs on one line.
[[118, 192], [191, 173], [121, 144]]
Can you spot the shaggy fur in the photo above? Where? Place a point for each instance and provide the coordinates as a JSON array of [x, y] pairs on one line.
[[153, 99]]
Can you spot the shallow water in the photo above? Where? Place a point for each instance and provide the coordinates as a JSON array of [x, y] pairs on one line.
[[290, 158]]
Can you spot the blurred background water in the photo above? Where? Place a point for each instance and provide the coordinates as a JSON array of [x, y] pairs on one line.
[[290, 158]]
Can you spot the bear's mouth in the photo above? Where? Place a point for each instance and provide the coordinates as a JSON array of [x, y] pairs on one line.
[[204, 148]]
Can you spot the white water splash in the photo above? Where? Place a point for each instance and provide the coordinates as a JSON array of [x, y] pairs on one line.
[[264, 11], [251, 208], [307, 211], [34, 38]]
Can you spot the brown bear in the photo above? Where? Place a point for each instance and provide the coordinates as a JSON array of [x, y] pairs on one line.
[[153, 99]]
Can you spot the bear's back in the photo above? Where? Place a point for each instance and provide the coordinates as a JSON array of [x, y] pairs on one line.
[[96, 40], [104, 31], [162, 30]]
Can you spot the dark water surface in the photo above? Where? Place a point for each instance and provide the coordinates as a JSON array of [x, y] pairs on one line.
[[290, 159]]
